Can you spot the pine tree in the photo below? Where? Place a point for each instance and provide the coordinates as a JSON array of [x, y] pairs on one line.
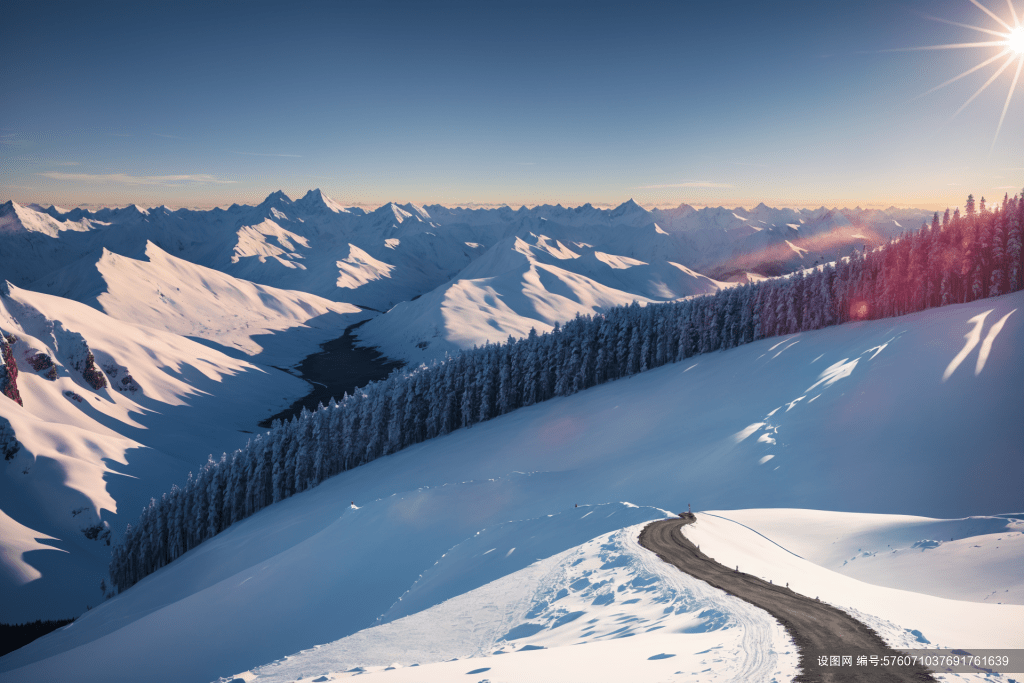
[[279, 445], [321, 444]]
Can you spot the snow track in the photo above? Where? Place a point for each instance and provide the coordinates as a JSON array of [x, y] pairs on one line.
[[763, 636], [816, 628], [644, 613]]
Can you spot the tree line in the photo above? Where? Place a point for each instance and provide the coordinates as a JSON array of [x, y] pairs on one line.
[[956, 259]]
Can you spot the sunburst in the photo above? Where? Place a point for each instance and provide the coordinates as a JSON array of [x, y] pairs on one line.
[[1009, 43]]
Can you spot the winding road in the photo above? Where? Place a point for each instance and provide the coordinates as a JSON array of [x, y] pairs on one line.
[[817, 629]]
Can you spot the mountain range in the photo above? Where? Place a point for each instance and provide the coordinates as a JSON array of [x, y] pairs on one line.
[[476, 275]]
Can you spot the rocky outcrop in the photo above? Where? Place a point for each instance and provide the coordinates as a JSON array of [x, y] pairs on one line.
[[120, 378], [9, 369], [44, 365], [92, 374], [40, 361], [78, 356], [8, 443], [97, 532]]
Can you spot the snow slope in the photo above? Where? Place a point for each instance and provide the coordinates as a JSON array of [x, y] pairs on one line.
[[610, 588], [904, 618], [91, 458], [164, 292], [592, 597], [904, 551], [849, 414], [527, 282]]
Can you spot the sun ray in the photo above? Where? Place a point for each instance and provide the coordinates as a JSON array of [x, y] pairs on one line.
[[1006, 105], [989, 12], [966, 73], [987, 83], [951, 46], [1013, 12], [1001, 34]]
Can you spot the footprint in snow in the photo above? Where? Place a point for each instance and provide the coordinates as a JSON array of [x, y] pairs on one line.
[[661, 656]]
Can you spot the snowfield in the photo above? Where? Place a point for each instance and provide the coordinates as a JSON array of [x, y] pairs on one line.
[[602, 591], [91, 458], [478, 530]]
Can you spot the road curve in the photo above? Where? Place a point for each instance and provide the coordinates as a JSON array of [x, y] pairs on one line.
[[817, 629]]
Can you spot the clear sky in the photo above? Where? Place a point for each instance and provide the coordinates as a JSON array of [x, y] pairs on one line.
[[792, 103]]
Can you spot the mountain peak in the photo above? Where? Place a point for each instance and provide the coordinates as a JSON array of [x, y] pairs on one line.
[[392, 212], [628, 206], [316, 201], [416, 210], [277, 197]]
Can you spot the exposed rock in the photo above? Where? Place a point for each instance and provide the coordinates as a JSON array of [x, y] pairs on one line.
[[44, 365], [9, 370], [92, 374], [40, 361], [98, 532], [127, 383], [8, 443], [77, 354]]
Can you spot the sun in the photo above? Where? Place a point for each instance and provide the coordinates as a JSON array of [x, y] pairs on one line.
[[1009, 47], [1015, 40]]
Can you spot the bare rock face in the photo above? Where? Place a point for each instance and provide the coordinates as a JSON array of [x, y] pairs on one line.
[[78, 356], [8, 443], [9, 369], [44, 365], [92, 374], [98, 532], [40, 361], [119, 376]]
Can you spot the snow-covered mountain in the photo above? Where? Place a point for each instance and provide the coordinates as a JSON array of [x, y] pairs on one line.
[[168, 293], [116, 408], [530, 282], [475, 274], [471, 544]]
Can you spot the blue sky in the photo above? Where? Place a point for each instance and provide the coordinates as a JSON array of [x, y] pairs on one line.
[[791, 103]]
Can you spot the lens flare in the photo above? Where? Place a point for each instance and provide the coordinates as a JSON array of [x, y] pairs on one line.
[[1010, 45]]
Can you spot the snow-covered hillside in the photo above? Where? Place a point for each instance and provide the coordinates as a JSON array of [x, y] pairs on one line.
[[498, 271], [95, 439], [894, 417], [522, 284], [168, 293]]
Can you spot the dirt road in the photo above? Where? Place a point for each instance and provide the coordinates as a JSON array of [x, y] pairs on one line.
[[817, 629]]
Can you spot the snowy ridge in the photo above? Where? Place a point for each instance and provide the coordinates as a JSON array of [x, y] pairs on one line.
[[164, 292], [525, 282], [398, 252], [90, 455]]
